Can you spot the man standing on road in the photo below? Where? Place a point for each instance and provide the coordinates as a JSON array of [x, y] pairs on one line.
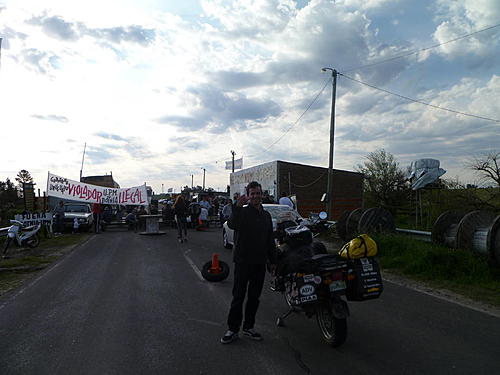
[[254, 247]]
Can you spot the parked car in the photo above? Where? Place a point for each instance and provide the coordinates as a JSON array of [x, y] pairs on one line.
[[279, 212], [81, 211]]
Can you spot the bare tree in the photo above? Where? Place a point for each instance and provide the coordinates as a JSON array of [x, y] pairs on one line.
[[487, 167]]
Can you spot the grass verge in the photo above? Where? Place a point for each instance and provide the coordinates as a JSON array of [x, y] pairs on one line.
[[457, 270], [23, 263]]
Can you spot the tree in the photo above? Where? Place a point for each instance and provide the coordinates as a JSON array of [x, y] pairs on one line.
[[385, 182], [23, 176], [8, 200], [487, 167], [8, 193]]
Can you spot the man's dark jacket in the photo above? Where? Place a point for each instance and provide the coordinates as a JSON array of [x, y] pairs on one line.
[[253, 235]]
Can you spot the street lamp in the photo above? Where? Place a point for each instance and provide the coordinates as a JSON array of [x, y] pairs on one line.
[[332, 137]]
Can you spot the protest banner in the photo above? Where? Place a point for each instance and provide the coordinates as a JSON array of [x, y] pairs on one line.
[[64, 188]]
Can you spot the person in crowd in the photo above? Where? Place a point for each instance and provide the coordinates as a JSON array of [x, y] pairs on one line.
[[205, 203], [141, 221], [227, 210], [131, 220], [97, 214], [236, 196], [215, 208], [266, 198], [254, 247], [168, 214], [194, 212], [59, 217], [203, 219], [107, 214], [181, 212], [285, 200]]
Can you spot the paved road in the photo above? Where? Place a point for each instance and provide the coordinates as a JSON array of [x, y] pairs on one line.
[[129, 304]]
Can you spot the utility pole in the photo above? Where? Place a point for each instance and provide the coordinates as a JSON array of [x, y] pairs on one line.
[[204, 170], [192, 179], [83, 158], [233, 153], [332, 138]]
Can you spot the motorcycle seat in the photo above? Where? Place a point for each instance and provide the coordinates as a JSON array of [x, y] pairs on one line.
[[31, 227]]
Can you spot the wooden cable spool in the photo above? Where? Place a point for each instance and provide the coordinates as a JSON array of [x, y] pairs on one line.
[[472, 232], [444, 230], [341, 225], [352, 223], [493, 240], [376, 220]]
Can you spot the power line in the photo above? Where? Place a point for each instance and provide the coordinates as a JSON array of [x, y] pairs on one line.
[[272, 144], [421, 49], [419, 101], [298, 119]]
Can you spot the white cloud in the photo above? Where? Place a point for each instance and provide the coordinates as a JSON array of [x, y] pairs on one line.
[[236, 77], [457, 18]]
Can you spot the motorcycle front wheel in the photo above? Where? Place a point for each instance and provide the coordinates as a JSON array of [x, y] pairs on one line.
[[333, 330]]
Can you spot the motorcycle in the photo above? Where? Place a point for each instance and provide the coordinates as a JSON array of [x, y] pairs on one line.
[[21, 235], [317, 283]]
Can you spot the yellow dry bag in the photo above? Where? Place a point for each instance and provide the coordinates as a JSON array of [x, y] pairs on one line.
[[360, 247]]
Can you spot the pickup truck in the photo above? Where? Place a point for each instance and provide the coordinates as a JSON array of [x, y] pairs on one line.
[[82, 212]]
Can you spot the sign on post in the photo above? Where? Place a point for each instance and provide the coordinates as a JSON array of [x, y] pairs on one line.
[[35, 218]]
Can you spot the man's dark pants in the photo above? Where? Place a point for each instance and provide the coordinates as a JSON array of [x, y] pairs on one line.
[[251, 275]]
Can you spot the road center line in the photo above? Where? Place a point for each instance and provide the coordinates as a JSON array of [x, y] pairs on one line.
[[193, 266]]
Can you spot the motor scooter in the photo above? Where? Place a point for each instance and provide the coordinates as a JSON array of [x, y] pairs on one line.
[[21, 235]]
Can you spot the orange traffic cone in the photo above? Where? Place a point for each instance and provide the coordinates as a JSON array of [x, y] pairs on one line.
[[215, 270]]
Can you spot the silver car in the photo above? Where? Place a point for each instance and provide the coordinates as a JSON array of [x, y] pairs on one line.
[[82, 212], [279, 212]]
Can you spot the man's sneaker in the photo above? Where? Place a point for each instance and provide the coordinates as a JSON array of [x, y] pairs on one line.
[[252, 334], [228, 337]]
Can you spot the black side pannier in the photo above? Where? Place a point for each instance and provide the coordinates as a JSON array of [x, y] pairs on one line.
[[298, 236], [364, 280]]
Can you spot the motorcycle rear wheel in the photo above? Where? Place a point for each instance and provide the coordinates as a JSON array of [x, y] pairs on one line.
[[6, 246], [33, 241], [333, 330]]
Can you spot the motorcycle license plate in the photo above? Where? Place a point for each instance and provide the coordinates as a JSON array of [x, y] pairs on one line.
[[337, 285], [312, 297]]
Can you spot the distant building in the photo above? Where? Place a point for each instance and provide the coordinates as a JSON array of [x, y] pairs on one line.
[[306, 182], [106, 181]]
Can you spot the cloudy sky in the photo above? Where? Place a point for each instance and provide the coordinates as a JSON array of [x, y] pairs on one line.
[[159, 89]]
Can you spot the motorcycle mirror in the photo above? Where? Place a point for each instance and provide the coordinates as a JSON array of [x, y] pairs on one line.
[[323, 215]]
